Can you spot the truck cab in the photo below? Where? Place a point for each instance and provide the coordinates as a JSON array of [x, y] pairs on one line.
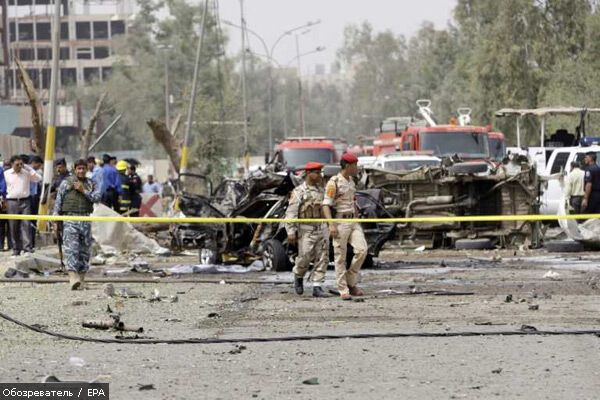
[[557, 167], [468, 142], [294, 153], [497, 145]]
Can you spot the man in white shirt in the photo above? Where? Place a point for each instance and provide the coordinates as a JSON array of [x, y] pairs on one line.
[[18, 181], [574, 190]]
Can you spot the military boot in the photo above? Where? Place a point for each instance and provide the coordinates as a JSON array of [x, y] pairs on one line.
[[74, 281], [81, 276], [319, 292], [299, 284]]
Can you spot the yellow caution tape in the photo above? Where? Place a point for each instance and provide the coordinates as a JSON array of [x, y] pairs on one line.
[[242, 220]]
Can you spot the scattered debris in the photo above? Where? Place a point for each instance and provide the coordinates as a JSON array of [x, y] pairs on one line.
[[496, 371], [311, 381], [148, 386], [528, 328], [213, 315], [489, 323], [508, 298], [157, 297], [247, 299], [80, 303], [552, 275], [108, 309], [76, 361], [13, 272], [238, 349], [534, 307], [420, 249], [114, 323], [421, 292], [109, 290], [172, 320]]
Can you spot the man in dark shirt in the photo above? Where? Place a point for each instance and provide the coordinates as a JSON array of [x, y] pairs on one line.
[[135, 189], [60, 166], [591, 198]]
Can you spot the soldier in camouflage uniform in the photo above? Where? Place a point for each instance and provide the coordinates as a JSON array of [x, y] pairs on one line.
[[312, 239], [339, 203], [76, 196]]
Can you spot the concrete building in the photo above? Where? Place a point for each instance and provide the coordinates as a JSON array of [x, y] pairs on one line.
[[88, 32]]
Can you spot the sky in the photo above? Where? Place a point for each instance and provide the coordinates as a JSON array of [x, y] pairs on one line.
[[270, 18]]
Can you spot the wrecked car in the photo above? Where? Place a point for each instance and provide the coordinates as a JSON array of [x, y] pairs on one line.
[[458, 188]]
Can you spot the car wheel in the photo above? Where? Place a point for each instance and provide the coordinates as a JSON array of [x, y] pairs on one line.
[[563, 246], [274, 256], [473, 244], [468, 168]]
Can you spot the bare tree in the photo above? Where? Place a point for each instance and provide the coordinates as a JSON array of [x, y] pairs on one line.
[[163, 135], [86, 134], [39, 138]]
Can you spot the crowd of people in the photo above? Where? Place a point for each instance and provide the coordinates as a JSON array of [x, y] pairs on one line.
[[117, 182]]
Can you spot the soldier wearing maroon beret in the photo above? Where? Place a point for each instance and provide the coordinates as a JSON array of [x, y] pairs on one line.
[[339, 203], [306, 202]]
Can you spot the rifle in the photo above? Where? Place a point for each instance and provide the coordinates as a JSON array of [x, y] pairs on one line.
[[59, 241]]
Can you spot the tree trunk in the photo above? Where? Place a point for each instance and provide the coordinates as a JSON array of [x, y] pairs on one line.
[[175, 125], [39, 138], [167, 140], [86, 135]]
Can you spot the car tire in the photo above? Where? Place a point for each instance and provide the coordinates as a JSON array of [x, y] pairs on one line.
[[468, 168], [473, 244], [563, 246], [274, 256]]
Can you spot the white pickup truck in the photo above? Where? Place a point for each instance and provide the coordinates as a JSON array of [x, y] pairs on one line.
[[557, 167]]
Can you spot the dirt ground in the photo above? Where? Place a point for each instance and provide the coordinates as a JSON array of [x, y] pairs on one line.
[[481, 367]]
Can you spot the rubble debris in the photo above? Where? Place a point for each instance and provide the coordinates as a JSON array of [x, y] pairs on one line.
[[508, 298], [80, 303], [257, 266], [148, 386], [122, 236], [13, 272], [76, 361], [496, 371], [528, 328], [173, 320], [552, 275], [430, 292], [109, 290], [534, 307], [113, 323], [311, 381], [238, 349], [213, 315]]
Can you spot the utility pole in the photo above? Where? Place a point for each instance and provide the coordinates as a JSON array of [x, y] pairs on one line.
[[190, 117], [167, 106], [244, 100], [51, 130], [300, 92]]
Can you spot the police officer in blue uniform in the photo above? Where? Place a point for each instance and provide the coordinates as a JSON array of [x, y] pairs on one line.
[[76, 196], [591, 198]]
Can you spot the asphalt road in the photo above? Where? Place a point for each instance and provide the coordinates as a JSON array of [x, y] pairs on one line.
[[528, 367]]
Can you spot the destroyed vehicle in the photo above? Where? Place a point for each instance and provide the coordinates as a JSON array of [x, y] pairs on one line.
[[405, 161], [262, 195], [461, 189], [278, 256]]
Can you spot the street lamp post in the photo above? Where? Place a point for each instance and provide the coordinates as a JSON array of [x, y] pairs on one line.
[[269, 52]]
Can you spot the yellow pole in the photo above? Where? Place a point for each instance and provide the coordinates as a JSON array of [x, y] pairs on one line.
[[51, 130]]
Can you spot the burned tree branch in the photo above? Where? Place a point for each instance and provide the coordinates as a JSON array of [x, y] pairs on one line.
[[163, 135], [86, 135], [39, 138]]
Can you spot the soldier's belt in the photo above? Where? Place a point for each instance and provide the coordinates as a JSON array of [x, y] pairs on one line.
[[311, 227]]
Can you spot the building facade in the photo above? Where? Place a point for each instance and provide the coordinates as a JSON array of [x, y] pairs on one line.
[[89, 29]]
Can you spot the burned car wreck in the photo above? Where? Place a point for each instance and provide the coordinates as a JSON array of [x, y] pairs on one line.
[[461, 189], [263, 194]]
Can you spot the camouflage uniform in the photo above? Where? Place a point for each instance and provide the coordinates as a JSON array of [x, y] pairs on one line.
[[339, 195], [313, 244], [77, 235]]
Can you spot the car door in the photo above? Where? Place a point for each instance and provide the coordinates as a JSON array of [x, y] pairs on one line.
[[553, 193]]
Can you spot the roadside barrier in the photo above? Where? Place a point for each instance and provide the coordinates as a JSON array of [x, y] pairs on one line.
[[242, 220]]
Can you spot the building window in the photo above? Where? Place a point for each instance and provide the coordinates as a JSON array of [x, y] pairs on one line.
[[44, 53], [26, 54], [82, 30], [43, 31], [100, 52], [117, 28], [68, 76], [46, 77], [100, 29], [13, 32], [84, 53], [91, 74], [64, 30], [25, 31], [65, 53], [106, 72]]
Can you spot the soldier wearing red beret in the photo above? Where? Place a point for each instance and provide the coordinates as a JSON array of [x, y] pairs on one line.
[[306, 202], [339, 203]]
